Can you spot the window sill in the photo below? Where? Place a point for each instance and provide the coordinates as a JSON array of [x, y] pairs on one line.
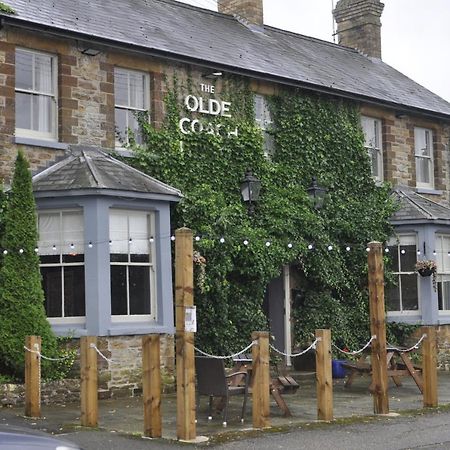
[[428, 191], [40, 143]]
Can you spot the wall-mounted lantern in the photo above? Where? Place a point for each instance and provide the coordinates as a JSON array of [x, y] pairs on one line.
[[250, 189], [316, 194]]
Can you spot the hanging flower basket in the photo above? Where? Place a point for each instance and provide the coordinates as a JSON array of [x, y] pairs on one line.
[[425, 272], [426, 268]]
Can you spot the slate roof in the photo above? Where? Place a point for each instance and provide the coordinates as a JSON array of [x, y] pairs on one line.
[[176, 30], [417, 208], [90, 169]]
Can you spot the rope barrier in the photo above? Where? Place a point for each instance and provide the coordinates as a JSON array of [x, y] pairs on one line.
[[406, 350], [356, 352], [46, 357], [294, 355], [227, 356], [100, 353]]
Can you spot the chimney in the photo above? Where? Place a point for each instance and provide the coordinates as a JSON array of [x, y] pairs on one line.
[[359, 25], [249, 10]]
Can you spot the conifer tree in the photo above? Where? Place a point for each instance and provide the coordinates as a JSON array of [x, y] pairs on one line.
[[22, 310]]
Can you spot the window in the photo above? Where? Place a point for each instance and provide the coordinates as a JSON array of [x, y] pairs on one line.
[[36, 100], [403, 253], [131, 91], [423, 145], [443, 271], [263, 118], [61, 251], [132, 264], [372, 141]]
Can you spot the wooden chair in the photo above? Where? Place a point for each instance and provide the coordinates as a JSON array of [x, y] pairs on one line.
[[214, 382]]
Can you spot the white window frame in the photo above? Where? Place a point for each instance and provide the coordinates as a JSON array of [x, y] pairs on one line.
[[28, 133], [374, 147], [151, 265], [417, 155], [396, 241], [443, 273], [59, 246], [265, 123], [146, 102]]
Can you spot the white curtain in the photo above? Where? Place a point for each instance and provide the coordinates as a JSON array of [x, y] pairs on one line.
[[43, 110], [126, 225]]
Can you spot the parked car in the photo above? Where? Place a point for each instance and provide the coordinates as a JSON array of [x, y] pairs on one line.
[[17, 438]]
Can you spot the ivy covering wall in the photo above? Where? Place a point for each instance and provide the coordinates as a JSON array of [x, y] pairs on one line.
[[314, 137]]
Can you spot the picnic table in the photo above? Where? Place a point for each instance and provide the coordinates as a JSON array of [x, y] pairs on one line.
[[278, 385], [399, 364]]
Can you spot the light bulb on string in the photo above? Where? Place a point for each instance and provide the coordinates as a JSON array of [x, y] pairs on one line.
[[330, 247], [245, 242], [367, 249], [90, 244], [222, 240], [151, 240], [54, 247], [172, 238], [310, 247], [72, 246], [197, 238], [402, 251], [21, 251], [267, 243], [290, 245], [347, 248], [36, 250], [434, 253], [386, 250], [5, 252]]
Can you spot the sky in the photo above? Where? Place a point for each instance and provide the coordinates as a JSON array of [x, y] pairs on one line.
[[415, 33]]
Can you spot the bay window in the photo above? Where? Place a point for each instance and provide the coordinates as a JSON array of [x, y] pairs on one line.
[[403, 255], [372, 141], [131, 92], [61, 252], [423, 150], [132, 260], [36, 94]]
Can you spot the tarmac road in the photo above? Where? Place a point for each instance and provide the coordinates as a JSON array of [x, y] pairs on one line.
[[427, 431]]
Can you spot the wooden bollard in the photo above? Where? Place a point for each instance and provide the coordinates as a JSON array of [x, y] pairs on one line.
[[261, 380], [429, 368], [151, 385], [32, 376], [324, 376], [185, 362], [378, 329], [89, 381]]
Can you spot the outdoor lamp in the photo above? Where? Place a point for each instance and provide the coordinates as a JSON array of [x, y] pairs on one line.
[[316, 194], [250, 188]]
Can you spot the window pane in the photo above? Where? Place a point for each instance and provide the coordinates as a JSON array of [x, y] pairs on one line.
[[139, 233], [137, 90], [133, 125], [52, 285], [42, 119], [408, 259], [121, 87], [393, 257], [121, 124], [23, 110], [118, 232], [393, 298], [49, 233], [118, 290], [374, 163], [74, 302], [72, 232], [24, 70], [444, 295], [139, 290], [43, 73], [423, 170], [410, 300]]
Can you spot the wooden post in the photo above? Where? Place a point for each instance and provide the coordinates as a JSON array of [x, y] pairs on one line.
[[32, 377], [89, 376], [261, 380], [151, 385], [324, 377], [184, 297], [429, 368], [378, 329]]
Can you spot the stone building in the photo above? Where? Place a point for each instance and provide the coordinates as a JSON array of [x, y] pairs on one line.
[[72, 77]]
